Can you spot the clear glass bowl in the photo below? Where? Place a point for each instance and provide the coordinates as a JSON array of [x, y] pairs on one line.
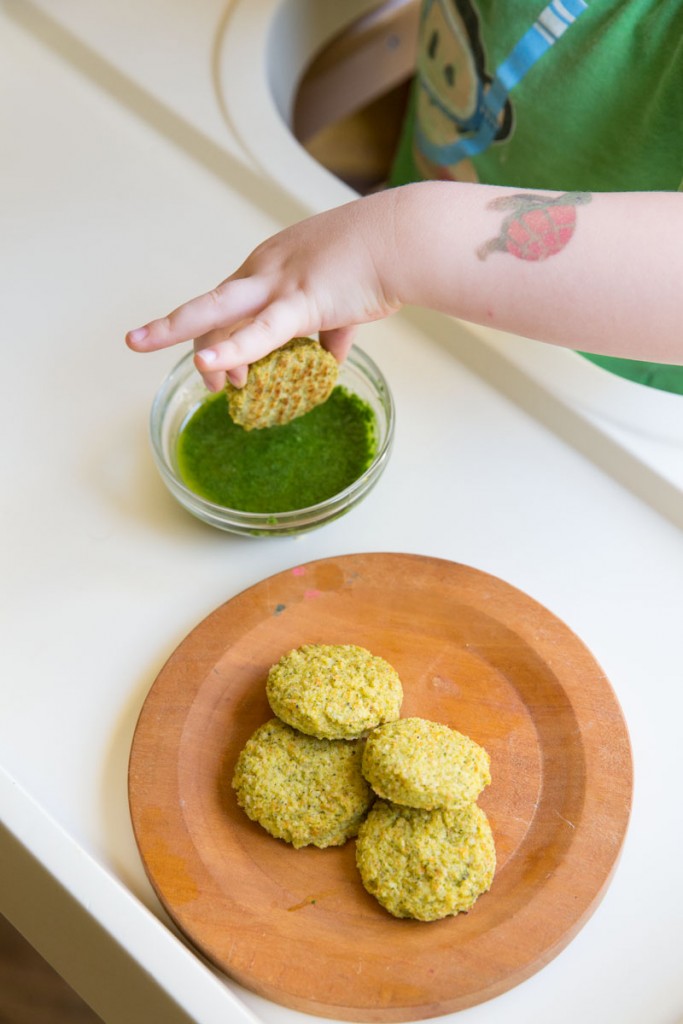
[[183, 391]]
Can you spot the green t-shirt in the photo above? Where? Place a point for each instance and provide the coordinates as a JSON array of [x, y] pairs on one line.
[[601, 109]]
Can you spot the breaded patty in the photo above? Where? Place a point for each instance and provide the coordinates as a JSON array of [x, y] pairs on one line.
[[425, 864], [301, 789], [285, 384], [425, 764], [334, 691]]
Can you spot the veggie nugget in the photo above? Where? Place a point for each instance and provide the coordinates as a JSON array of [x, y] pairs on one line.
[[301, 789], [334, 691], [425, 864], [286, 383], [425, 764]]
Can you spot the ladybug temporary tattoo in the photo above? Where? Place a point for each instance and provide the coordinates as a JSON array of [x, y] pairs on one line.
[[537, 226]]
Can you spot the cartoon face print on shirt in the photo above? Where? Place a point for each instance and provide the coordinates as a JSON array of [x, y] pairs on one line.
[[452, 80]]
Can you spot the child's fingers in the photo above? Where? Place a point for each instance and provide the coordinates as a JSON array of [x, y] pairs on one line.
[[238, 376], [230, 302], [214, 381], [277, 324], [338, 341], [214, 338]]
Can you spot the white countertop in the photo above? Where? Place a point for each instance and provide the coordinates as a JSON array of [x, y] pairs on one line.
[[112, 214]]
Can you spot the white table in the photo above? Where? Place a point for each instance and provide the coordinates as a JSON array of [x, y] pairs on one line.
[[124, 192]]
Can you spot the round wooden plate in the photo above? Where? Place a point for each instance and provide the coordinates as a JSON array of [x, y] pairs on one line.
[[296, 926]]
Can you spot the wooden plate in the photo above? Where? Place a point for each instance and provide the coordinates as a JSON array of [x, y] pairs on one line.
[[296, 926]]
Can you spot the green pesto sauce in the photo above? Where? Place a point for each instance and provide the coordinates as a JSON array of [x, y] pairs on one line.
[[277, 469]]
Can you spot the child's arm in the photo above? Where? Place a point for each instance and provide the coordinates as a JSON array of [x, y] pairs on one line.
[[597, 272]]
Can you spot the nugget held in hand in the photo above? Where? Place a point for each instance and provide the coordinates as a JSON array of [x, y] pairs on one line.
[[307, 791], [418, 763], [334, 691], [425, 864], [286, 383]]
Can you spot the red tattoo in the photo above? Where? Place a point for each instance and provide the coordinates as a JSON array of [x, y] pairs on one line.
[[537, 226]]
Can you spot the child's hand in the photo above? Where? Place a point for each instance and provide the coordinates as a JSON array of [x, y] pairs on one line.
[[323, 275]]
